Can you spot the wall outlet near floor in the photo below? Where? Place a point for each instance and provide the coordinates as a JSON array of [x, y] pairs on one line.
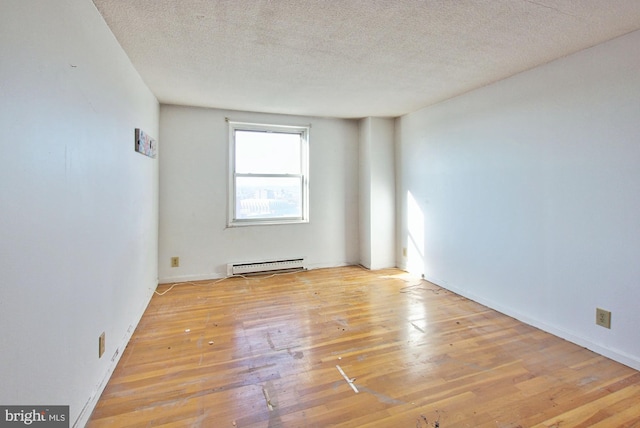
[[101, 345], [175, 261], [603, 318], [404, 251]]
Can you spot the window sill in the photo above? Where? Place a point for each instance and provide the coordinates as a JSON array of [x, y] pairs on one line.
[[242, 223]]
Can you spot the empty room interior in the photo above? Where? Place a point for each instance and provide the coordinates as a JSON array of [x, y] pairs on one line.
[[281, 213]]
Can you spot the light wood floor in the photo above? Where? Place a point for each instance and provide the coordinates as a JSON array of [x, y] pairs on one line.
[[268, 353]]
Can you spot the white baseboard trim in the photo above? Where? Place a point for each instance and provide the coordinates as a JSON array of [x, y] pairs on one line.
[[215, 275], [616, 355], [188, 278], [91, 403], [327, 265]]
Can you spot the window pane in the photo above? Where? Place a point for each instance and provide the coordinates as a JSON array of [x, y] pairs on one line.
[[268, 197], [267, 152]]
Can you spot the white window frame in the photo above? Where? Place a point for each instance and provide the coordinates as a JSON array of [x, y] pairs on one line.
[[303, 131]]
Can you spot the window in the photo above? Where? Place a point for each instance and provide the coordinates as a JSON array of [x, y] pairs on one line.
[[269, 177]]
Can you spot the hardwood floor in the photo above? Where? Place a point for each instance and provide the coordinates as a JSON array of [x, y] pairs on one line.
[[268, 352]]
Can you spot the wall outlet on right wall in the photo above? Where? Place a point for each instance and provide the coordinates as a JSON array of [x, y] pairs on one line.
[[603, 318]]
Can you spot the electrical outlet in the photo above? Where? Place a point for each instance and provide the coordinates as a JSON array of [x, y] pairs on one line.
[[603, 318], [101, 345], [175, 261], [404, 251]]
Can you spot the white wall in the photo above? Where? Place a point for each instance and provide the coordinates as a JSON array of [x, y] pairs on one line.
[[78, 229], [193, 196], [525, 195], [377, 193]]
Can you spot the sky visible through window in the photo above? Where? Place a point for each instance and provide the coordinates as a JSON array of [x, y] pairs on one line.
[[268, 182], [267, 153]]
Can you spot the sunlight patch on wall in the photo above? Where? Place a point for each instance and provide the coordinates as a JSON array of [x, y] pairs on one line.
[[415, 236]]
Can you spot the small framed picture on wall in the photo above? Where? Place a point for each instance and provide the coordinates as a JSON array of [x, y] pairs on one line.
[[145, 144]]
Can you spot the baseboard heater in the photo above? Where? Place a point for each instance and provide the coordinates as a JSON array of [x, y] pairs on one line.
[[270, 266]]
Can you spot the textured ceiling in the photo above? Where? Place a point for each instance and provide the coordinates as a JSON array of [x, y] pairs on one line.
[[349, 58]]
